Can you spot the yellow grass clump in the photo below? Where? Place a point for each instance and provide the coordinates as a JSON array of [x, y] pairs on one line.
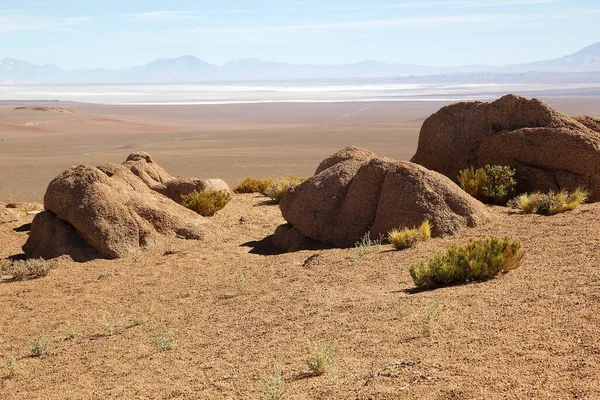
[[206, 202], [250, 185], [408, 237], [550, 203], [279, 187]]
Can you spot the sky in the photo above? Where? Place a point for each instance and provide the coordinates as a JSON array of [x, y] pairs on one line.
[[114, 34]]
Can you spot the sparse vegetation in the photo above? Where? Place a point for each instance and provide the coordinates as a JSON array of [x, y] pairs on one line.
[[112, 328], [272, 385], [550, 203], [250, 185], [20, 270], [206, 202], [165, 340], [408, 237], [429, 321], [475, 260], [364, 246], [492, 184], [279, 187], [40, 344], [241, 285], [10, 366], [25, 207], [320, 357]]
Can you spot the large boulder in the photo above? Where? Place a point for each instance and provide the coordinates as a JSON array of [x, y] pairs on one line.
[[366, 193], [550, 150], [157, 179], [112, 210]]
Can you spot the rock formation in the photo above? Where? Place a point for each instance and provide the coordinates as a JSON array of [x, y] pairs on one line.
[[551, 151], [110, 211], [355, 192]]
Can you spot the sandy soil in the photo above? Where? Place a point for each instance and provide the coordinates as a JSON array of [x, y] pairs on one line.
[[235, 313], [222, 141]]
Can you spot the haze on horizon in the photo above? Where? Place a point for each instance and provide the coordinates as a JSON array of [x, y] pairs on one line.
[[114, 34]]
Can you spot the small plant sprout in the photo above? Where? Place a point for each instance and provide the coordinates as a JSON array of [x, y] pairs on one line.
[[165, 340], [39, 345], [271, 385], [10, 366], [320, 357]]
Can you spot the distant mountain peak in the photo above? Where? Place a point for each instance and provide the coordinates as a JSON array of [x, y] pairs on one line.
[[593, 49]]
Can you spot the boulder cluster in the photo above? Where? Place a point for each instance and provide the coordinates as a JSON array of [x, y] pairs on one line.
[[113, 211], [354, 191]]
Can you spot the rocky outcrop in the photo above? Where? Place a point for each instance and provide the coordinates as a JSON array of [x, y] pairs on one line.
[[551, 151], [157, 179], [350, 196], [109, 211]]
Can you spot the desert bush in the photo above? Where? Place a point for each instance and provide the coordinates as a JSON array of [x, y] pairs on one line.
[[250, 185], [20, 270], [206, 202], [476, 260], [492, 184], [550, 203], [408, 237], [320, 357], [279, 187]]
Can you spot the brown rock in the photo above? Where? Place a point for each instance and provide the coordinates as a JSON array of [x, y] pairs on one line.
[[156, 178], [353, 196], [50, 237], [114, 211], [551, 151]]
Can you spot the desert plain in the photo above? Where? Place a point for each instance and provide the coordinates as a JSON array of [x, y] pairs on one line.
[[236, 309]]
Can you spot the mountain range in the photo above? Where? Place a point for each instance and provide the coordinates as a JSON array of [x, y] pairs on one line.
[[188, 69]]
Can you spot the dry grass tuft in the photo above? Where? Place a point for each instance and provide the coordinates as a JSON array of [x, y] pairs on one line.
[[408, 237], [272, 385], [279, 187], [320, 357], [21, 270], [206, 202], [473, 261], [549, 203], [250, 185]]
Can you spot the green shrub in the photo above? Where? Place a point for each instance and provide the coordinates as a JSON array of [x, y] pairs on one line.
[[474, 261], [492, 184], [408, 237], [320, 357], [250, 185], [550, 203], [206, 202], [279, 187]]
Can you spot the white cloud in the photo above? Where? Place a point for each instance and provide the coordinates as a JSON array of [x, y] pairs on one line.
[[13, 22]]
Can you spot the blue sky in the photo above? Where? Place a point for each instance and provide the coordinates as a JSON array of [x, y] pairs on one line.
[[119, 33]]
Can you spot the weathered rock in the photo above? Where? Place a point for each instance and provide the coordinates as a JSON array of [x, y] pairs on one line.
[[156, 178], [177, 187], [551, 151], [353, 196], [50, 237], [114, 211]]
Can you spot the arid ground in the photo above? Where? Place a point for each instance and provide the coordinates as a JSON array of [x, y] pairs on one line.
[[233, 309], [211, 141]]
